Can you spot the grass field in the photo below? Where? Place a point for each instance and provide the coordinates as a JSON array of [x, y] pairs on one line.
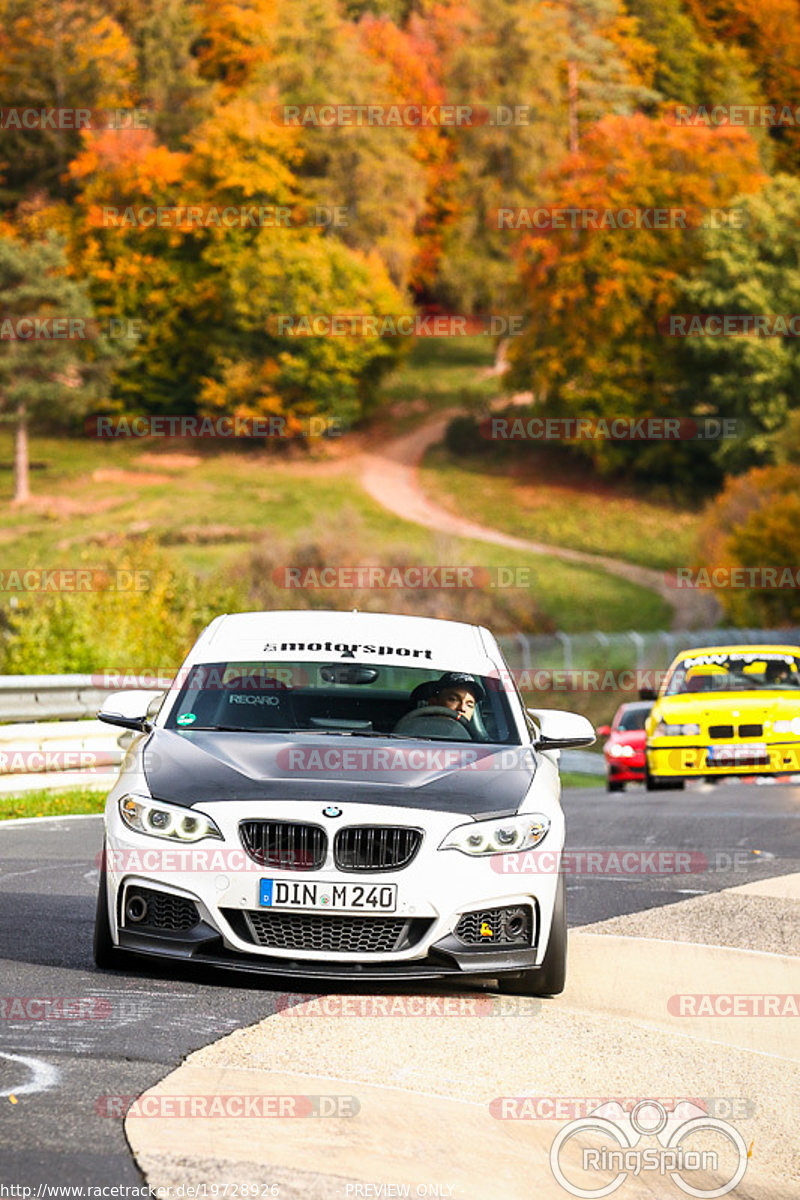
[[52, 802], [566, 509], [209, 508], [439, 373]]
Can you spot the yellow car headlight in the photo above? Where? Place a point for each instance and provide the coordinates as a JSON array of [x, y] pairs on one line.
[[663, 729]]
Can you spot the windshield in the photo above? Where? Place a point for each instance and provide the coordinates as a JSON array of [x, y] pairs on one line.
[[633, 718], [344, 699], [743, 672]]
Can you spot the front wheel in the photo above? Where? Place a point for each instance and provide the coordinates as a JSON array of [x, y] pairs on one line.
[[106, 954], [548, 979], [615, 785]]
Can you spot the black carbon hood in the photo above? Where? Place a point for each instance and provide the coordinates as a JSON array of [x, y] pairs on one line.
[[475, 780]]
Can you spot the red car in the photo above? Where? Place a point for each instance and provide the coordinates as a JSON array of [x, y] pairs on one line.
[[624, 750]]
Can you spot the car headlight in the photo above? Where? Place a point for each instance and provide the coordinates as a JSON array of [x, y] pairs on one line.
[[664, 730], [616, 751], [498, 837], [792, 726], [165, 820]]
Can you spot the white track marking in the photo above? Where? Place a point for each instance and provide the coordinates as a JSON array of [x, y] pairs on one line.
[[43, 1075]]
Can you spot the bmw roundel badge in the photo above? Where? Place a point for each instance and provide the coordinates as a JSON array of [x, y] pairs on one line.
[[331, 811]]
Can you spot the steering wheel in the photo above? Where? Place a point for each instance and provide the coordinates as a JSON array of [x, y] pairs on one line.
[[437, 710]]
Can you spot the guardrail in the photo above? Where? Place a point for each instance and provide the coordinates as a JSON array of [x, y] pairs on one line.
[[58, 697]]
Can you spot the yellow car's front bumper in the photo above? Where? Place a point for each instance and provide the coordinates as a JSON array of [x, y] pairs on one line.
[[673, 758]]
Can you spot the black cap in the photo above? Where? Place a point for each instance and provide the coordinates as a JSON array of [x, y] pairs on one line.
[[457, 679]]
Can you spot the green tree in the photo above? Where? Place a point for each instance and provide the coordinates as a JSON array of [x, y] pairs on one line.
[[600, 49], [507, 54], [42, 377], [258, 371], [371, 170], [751, 270], [164, 35]]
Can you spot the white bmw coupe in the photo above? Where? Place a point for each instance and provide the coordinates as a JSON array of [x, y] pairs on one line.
[[340, 796]]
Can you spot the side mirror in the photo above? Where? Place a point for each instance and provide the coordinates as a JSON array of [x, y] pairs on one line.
[[131, 710], [561, 730], [604, 731], [646, 693]]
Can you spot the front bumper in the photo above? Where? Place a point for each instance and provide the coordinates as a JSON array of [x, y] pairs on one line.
[[674, 759], [434, 891], [204, 946]]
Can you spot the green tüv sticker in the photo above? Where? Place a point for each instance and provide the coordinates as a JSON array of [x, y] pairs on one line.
[[187, 719]]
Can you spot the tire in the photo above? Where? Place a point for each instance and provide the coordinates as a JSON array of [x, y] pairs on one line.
[[548, 979], [106, 955], [663, 783], [651, 784], [615, 785]]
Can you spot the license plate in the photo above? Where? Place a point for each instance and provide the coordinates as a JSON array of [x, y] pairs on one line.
[[326, 897], [745, 752]]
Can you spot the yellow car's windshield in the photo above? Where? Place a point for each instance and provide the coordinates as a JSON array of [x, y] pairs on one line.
[[773, 670]]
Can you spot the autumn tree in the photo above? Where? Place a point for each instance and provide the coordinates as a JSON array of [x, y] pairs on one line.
[[753, 523], [769, 35], [595, 296], [57, 55]]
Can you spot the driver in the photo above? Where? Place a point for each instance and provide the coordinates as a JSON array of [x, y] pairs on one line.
[[777, 672], [456, 691]]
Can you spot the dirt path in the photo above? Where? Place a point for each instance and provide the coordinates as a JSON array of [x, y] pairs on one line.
[[391, 477]]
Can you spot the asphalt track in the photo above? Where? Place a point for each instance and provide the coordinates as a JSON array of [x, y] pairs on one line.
[[54, 1073]]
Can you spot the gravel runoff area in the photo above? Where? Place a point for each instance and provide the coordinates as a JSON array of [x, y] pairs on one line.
[[757, 916], [442, 1075]]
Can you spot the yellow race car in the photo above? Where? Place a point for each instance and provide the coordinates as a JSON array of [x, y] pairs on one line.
[[725, 710]]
